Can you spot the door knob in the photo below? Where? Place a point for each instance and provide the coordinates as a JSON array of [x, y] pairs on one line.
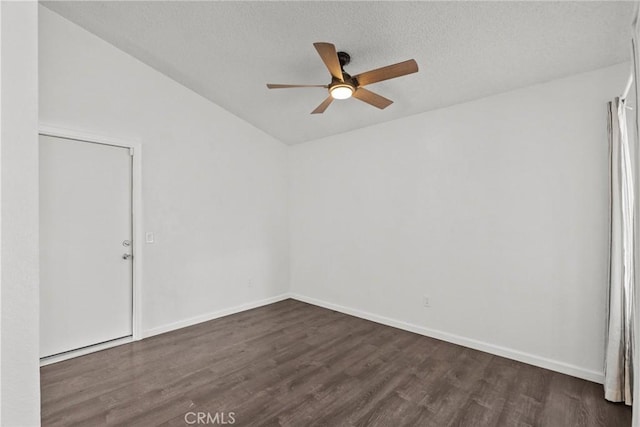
[[127, 256]]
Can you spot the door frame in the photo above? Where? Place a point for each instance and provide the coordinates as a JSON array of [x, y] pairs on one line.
[[137, 229]]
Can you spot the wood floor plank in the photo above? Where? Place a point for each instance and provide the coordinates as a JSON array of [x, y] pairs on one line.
[[294, 364]]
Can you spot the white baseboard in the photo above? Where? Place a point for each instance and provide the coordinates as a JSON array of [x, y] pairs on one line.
[[44, 361], [508, 353], [213, 315]]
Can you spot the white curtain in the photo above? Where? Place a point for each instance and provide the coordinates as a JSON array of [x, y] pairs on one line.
[[635, 61], [619, 349]]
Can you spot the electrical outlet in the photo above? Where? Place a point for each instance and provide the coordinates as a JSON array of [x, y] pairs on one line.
[[425, 301]]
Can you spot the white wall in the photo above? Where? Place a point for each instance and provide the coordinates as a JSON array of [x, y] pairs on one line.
[[214, 187], [20, 390], [496, 209]]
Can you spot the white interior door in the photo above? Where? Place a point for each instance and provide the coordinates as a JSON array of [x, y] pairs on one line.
[[85, 227]]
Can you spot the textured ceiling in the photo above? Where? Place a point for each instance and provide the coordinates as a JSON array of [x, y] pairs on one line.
[[227, 51]]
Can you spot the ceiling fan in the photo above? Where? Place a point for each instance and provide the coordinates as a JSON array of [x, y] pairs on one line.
[[345, 86]]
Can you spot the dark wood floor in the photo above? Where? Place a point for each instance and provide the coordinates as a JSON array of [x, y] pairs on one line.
[[294, 364]]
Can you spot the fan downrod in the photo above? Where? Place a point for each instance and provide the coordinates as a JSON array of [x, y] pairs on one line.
[[344, 58]]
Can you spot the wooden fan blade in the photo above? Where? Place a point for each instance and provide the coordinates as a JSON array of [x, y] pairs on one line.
[[388, 72], [329, 56], [372, 98], [320, 109], [278, 86]]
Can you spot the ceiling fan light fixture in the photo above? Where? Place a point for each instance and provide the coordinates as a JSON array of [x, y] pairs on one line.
[[344, 86], [341, 91]]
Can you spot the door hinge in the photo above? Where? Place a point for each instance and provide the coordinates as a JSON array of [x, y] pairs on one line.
[[131, 151]]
